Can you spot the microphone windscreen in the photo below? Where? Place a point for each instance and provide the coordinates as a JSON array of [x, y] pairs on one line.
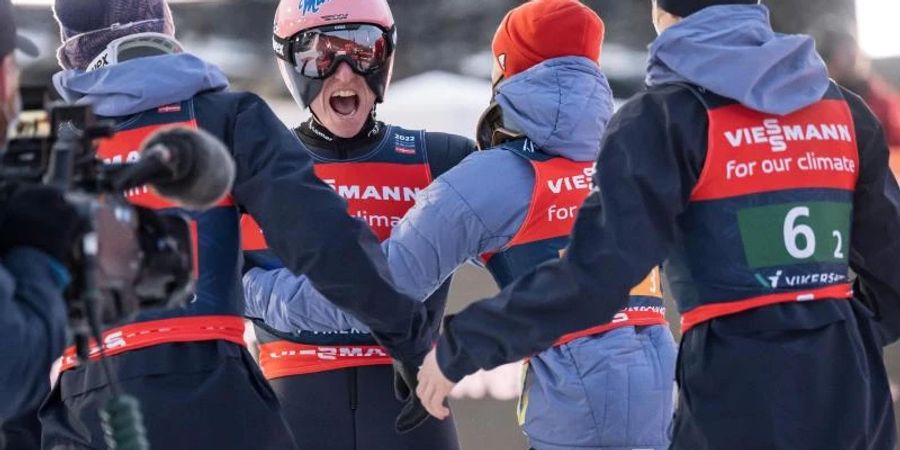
[[203, 167]]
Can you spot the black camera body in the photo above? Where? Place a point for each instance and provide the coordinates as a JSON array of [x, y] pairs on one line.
[[131, 258]]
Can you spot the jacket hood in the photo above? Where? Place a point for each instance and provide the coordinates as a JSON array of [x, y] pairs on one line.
[[139, 84], [563, 105], [732, 51]]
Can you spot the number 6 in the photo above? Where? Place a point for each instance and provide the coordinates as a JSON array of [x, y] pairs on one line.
[[792, 231]]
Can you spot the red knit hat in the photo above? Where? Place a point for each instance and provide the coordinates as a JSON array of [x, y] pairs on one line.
[[544, 29]]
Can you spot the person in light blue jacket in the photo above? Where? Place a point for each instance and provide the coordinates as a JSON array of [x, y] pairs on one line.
[[608, 387]]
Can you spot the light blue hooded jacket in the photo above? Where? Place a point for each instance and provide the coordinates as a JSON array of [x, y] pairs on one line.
[[575, 392]]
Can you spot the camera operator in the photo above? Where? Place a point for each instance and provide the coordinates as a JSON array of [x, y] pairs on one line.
[[37, 231]]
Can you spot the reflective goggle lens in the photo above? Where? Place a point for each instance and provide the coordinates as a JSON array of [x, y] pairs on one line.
[[317, 52]]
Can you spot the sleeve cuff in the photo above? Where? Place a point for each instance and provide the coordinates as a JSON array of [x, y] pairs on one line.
[[454, 364]]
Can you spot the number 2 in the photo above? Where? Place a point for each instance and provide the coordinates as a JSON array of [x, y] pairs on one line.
[[840, 243]]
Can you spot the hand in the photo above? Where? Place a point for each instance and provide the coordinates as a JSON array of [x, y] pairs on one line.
[[434, 387], [39, 216]]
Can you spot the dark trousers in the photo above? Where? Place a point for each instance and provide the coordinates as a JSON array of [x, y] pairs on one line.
[[20, 433], [354, 409], [203, 395], [816, 387]]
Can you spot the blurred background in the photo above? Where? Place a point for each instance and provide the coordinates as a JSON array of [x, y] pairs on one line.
[[441, 83]]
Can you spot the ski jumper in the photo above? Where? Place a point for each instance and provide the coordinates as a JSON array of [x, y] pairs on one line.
[[339, 368]]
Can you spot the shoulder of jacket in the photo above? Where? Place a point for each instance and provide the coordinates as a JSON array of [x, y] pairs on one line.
[[228, 99]]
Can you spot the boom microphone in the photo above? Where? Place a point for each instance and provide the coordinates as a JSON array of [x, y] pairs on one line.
[[188, 166]]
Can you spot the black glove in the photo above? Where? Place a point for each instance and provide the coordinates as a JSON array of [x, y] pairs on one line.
[[413, 413], [39, 216]]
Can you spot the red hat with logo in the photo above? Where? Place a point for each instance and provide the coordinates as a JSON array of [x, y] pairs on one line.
[[544, 29]]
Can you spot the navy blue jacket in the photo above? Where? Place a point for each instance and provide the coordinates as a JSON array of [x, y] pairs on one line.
[[651, 159], [649, 163], [305, 222]]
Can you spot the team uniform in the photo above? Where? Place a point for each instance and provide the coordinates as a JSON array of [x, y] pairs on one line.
[[758, 299], [761, 185], [334, 365], [513, 207], [193, 358], [635, 348]]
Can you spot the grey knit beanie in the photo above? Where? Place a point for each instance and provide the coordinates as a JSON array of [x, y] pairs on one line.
[[88, 26]]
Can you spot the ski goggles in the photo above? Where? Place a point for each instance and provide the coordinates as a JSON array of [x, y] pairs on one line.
[[316, 53], [134, 46]]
